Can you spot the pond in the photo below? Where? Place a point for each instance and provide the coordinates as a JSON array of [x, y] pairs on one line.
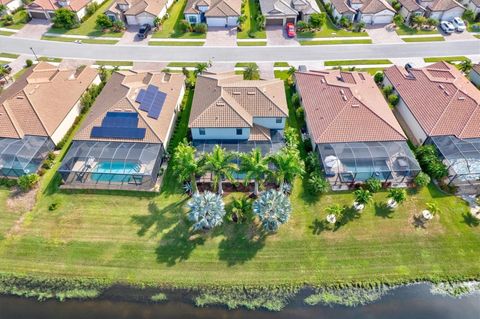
[[414, 301]]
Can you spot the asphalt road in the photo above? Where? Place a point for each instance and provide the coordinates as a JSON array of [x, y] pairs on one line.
[[235, 54]]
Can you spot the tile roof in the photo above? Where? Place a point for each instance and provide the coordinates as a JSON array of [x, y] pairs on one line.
[[442, 100], [119, 95], [375, 6], [410, 5], [74, 5], [476, 68], [136, 7], [217, 8], [339, 110], [259, 133], [38, 102], [342, 6], [226, 100], [285, 7], [5, 2], [441, 5]]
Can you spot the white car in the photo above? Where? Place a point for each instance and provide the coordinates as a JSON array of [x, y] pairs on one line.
[[447, 27], [459, 24]]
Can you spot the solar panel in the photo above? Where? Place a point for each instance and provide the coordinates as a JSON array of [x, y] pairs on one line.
[[140, 96], [118, 132], [157, 105]]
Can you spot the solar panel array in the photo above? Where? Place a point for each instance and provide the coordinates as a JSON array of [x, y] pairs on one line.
[[119, 125], [151, 101]]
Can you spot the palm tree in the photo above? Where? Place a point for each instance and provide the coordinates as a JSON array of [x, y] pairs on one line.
[[200, 68], [362, 198], [397, 196], [288, 165], [241, 209], [335, 212], [186, 165], [433, 208], [251, 72], [206, 210], [466, 65], [220, 163], [3, 72], [255, 167], [273, 208]]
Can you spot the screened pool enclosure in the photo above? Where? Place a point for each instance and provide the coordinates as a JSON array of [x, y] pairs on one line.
[[462, 157], [347, 163], [23, 156], [114, 164]]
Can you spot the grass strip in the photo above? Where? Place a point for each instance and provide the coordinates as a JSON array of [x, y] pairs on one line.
[[446, 59], [357, 62], [424, 39], [182, 64], [6, 33], [115, 63], [49, 59], [252, 44], [331, 42], [87, 41], [9, 55], [177, 43], [244, 64], [281, 65]]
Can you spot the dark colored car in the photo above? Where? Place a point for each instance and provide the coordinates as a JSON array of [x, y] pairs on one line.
[[7, 67], [144, 30], [290, 30]]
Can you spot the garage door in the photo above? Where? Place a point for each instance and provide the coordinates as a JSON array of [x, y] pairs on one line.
[[384, 19], [274, 22], [37, 15], [367, 19], [216, 22], [145, 20]]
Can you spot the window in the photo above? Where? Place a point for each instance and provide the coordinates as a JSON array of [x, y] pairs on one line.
[[201, 131], [192, 19], [239, 131], [278, 120]]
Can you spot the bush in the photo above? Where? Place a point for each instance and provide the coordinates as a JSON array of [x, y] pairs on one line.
[[359, 27], [373, 184], [201, 28], [7, 182], [422, 179], [27, 182], [393, 99], [65, 18], [28, 63], [396, 5], [184, 26], [295, 99], [398, 19], [103, 22], [378, 77], [345, 22], [53, 206], [118, 26], [430, 162], [90, 10], [300, 112], [317, 20], [387, 90], [302, 26], [317, 184], [8, 20], [469, 15]]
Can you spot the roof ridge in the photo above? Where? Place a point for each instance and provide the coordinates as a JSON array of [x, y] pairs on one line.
[[234, 101], [261, 91], [444, 111], [13, 120], [35, 111], [335, 118]]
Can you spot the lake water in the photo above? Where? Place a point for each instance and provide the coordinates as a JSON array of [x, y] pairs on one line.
[[407, 302]]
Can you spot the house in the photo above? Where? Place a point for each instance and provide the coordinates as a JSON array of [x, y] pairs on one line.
[[11, 5], [440, 106], [121, 143], [475, 74], [436, 9], [138, 12], [366, 11], [238, 114], [215, 13], [353, 129], [45, 9], [280, 12], [473, 5], [36, 112]]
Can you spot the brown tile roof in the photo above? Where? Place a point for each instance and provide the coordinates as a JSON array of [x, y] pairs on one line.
[[342, 6], [443, 101], [38, 102], [341, 111], [119, 95], [443, 5], [217, 8], [410, 5], [75, 5], [5, 2], [375, 6], [153, 7], [259, 133], [226, 100]]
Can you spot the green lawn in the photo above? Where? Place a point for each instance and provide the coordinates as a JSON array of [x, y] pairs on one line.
[[357, 62], [250, 26], [244, 64], [115, 63], [424, 39], [19, 73], [49, 59], [407, 30], [177, 43], [20, 18], [281, 65], [371, 71], [183, 64], [252, 44], [170, 27], [89, 27], [88, 41], [6, 33], [446, 59], [329, 42], [9, 55]]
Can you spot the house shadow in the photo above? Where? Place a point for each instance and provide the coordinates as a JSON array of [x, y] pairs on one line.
[[382, 210], [470, 220], [318, 226], [241, 243]]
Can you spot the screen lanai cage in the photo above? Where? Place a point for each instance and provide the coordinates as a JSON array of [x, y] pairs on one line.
[[23, 156], [116, 164], [347, 163], [461, 156]]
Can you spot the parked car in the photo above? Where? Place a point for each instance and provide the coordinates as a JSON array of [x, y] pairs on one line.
[[447, 27], [290, 30], [7, 67], [459, 24], [144, 30]]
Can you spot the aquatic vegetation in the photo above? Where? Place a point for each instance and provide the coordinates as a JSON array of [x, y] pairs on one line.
[[455, 289], [159, 297], [349, 296]]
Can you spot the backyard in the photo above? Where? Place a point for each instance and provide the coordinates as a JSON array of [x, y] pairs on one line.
[[250, 25], [170, 27]]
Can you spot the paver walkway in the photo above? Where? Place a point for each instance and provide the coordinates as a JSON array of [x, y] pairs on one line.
[[266, 70], [383, 34], [34, 29], [276, 35], [219, 36]]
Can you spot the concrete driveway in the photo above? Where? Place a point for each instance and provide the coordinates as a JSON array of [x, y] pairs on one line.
[[220, 36], [383, 34], [276, 35], [456, 36], [34, 29], [130, 37]]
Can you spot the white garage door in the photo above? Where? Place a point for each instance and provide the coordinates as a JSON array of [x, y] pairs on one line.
[[216, 22], [382, 19], [450, 14], [366, 18], [145, 20], [232, 21]]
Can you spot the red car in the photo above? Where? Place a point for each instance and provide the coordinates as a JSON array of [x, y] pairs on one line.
[[290, 30]]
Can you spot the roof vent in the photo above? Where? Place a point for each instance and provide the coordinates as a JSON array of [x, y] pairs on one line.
[[220, 103], [441, 86], [236, 93], [447, 93], [19, 97], [251, 92], [344, 97], [342, 91], [461, 98], [322, 80], [355, 106]]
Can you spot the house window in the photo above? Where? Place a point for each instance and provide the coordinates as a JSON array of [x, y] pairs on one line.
[[278, 120], [201, 131], [192, 19], [239, 131]]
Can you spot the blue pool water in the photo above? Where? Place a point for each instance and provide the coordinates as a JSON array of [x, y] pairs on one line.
[[365, 170], [114, 172]]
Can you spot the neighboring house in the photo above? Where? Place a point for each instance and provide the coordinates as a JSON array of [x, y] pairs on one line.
[[280, 12], [475, 75], [367, 11], [474, 5], [121, 143], [36, 112], [238, 114], [436, 9], [440, 106], [138, 12], [45, 9], [11, 5], [354, 130], [215, 13]]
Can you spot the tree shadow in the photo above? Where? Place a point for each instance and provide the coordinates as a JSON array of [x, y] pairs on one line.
[[349, 214], [318, 226], [418, 222], [470, 220], [382, 210], [177, 244], [241, 243], [307, 196]]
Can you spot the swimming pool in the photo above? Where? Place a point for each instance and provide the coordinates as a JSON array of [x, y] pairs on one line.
[[364, 170], [115, 172]]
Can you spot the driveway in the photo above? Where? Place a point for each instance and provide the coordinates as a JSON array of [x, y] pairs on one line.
[[221, 37], [34, 29], [130, 37], [383, 34], [276, 35], [456, 36]]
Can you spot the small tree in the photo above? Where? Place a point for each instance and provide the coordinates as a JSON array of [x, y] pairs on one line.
[[8, 20], [373, 184], [200, 68], [28, 63], [27, 182], [302, 26], [398, 195], [398, 19], [335, 213], [184, 26], [255, 167], [433, 208], [241, 210], [201, 28], [431, 22], [206, 210], [251, 72], [186, 165], [363, 196], [378, 77], [103, 22], [422, 179], [469, 15], [317, 184], [157, 22], [466, 66], [393, 99], [118, 26], [317, 20], [387, 90], [65, 18], [273, 208]]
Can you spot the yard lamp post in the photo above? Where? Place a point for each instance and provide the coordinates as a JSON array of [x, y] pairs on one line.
[[36, 58]]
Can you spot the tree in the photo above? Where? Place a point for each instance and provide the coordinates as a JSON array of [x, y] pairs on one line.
[[255, 167], [27, 182], [398, 195], [251, 72], [241, 210], [466, 65], [433, 208], [3, 72], [398, 19], [317, 20], [103, 22], [201, 28], [65, 18], [206, 210], [200, 68], [387, 90], [363, 196], [273, 208], [335, 212], [317, 184], [393, 99], [118, 26], [422, 179], [220, 163], [373, 184], [378, 77], [186, 165], [288, 165]]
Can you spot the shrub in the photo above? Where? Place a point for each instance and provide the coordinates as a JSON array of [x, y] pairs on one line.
[[345, 22], [469, 15], [399, 195], [118, 26], [398, 19], [363, 196], [393, 99], [65, 18], [273, 208], [422, 179], [431, 164], [302, 26], [387, 90], [184, 26], [8, 20], [396, 5], [312, 162], [90, 10], [295, 99], [291, 137], [7, 182], [317, 184], [201, 28], [373, 184], [260, 22], [359, 27], [103, 22], [53, 206], [317, 20], [378, 77], [300, 112], [27, 182], [28, 63]]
